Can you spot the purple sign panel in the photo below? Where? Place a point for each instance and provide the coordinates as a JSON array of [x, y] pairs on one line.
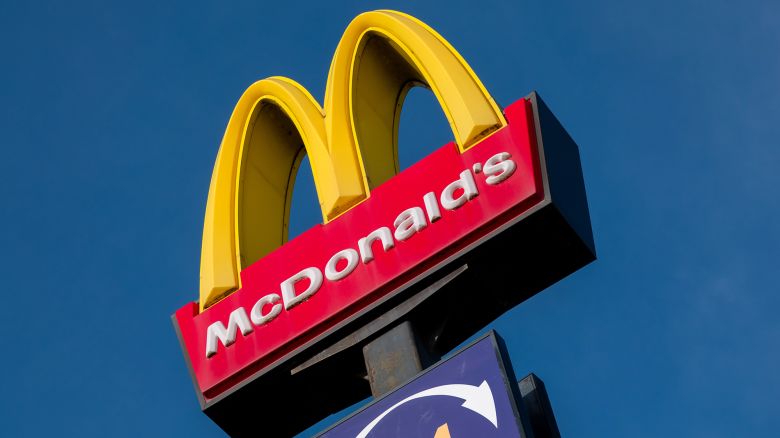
[[467, 395]]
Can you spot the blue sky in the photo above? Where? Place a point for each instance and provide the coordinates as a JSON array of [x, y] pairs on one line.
[[111, 118]]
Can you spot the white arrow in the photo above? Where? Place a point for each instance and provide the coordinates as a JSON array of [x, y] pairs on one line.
[[476, 398]]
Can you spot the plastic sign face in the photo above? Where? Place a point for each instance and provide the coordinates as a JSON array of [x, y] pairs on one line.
[[265, 300], [331, 272]]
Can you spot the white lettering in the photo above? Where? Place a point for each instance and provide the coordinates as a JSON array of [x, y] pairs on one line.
[[499, 167], [496, 169], [256, 314], [331, 268], [288, 287], [432, 207], [409, 222], [364, 244], [217, 331], [466, 184]]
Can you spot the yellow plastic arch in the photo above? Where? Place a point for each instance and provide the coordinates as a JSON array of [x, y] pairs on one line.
[[352, 145]]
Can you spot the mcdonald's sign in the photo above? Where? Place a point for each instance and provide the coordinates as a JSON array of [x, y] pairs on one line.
[[502, 208]]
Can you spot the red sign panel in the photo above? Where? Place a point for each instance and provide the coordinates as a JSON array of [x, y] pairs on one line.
[[334, 272]]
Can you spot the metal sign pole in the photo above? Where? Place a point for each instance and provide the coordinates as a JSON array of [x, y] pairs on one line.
[[393, 358]]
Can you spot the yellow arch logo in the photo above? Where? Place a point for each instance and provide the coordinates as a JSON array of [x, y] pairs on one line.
[[351, 141]]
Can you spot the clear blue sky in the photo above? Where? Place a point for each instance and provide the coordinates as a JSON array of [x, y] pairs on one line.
[[111, 118]]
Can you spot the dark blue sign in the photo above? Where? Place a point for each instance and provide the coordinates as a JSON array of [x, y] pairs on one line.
[[467, 395]]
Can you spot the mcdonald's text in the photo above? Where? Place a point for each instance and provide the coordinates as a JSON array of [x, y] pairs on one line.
[[300, 287]]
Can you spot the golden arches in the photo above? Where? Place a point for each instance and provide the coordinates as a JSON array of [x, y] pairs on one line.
[[352, 144], [380, 57]]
